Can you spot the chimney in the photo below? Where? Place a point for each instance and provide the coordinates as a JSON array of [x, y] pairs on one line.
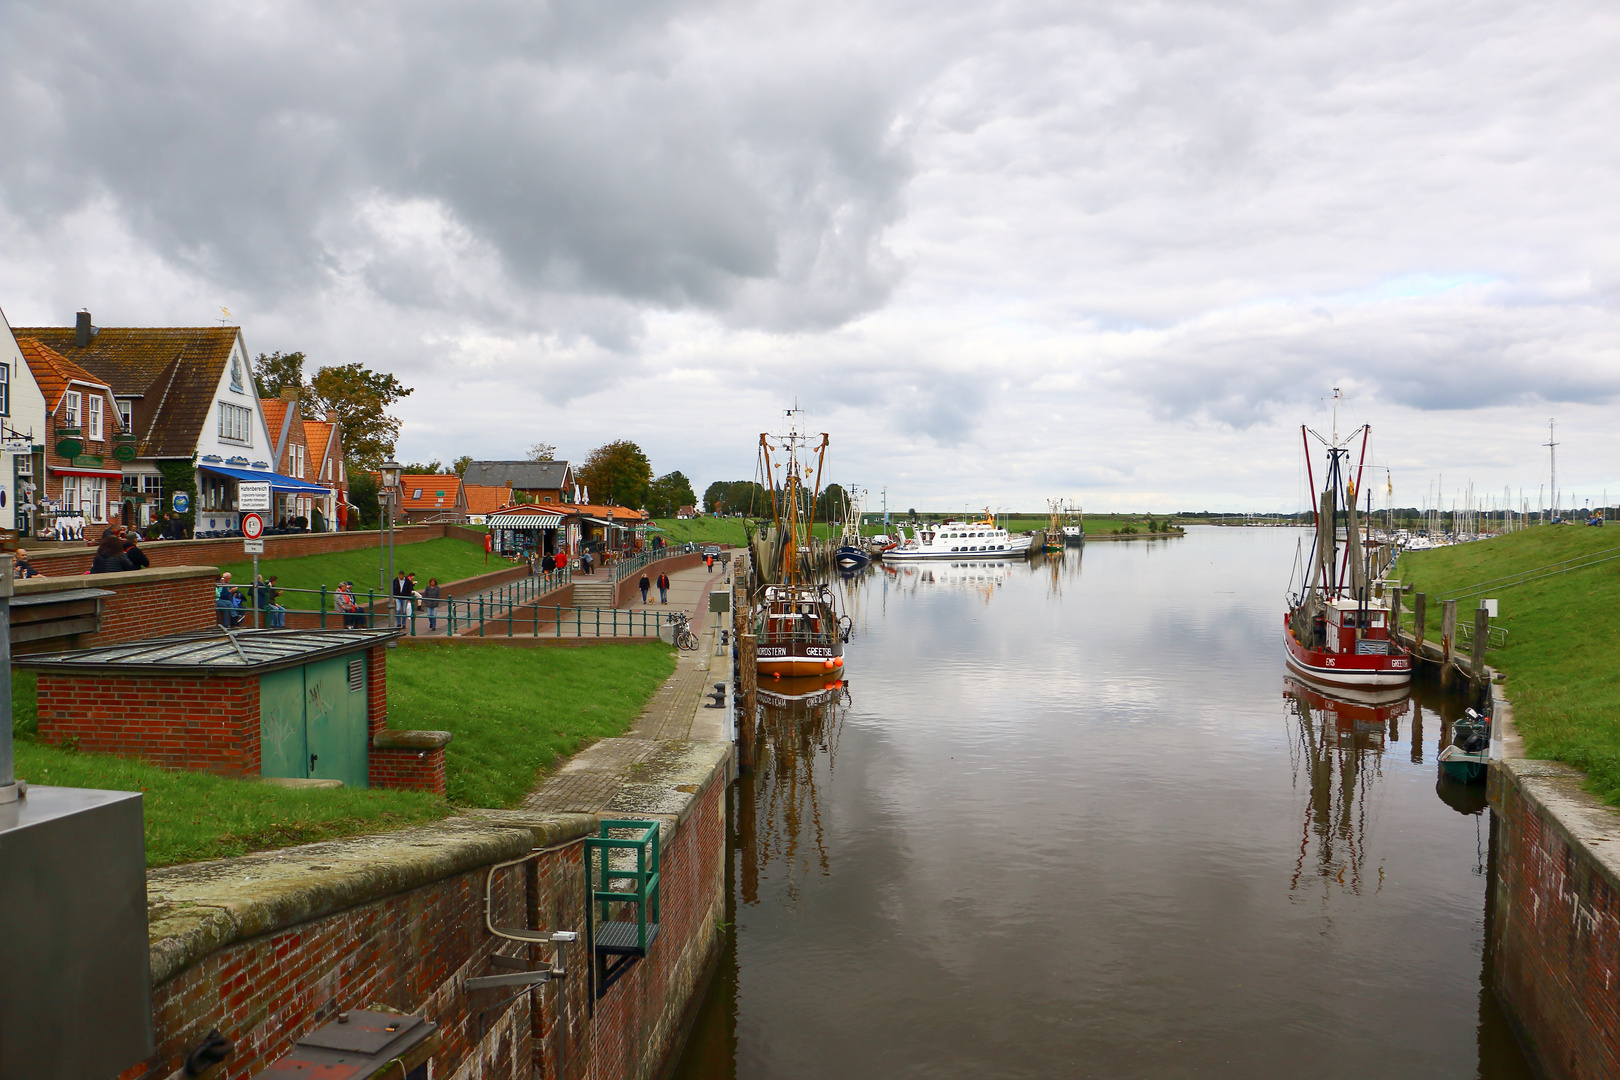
[[289, 393], [84, 331], [331, 416]]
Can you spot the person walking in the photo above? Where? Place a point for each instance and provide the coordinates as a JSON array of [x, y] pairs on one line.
[[562, 561], [430, 600], [644, 585], [663, 587], [401, 589]]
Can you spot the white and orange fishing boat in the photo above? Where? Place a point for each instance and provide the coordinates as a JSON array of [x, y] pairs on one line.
[[798, 626], [1336, 631]]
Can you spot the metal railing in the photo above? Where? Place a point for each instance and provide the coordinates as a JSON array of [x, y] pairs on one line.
[[1496, 636], [624, 567], [1583, 562], [516, 607]]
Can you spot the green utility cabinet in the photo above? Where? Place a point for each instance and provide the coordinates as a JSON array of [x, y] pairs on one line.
[[312, 721]]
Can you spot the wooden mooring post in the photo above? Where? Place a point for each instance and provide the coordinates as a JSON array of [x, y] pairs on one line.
[[1395, 612], [1420, 603], [1482, 638], [748, 711], [1448, 638]]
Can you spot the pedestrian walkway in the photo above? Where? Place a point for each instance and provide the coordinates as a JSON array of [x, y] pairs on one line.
[[671, 747]]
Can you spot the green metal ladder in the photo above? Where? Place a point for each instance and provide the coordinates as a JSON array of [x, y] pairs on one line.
[[616, 943]]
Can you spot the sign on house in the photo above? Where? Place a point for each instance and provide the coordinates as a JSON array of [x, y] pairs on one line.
[[253, 495]]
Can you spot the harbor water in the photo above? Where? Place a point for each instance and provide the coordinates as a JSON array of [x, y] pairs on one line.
[[1070, 818]]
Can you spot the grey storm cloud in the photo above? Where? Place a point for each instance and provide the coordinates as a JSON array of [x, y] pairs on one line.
[[586, 149]]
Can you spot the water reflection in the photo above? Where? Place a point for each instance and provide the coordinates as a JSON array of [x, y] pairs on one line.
[[1052, 827]]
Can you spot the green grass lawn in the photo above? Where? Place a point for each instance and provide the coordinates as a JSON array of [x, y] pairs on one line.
[[515, 712], [1562, 660], [704, 530], [446, 559]]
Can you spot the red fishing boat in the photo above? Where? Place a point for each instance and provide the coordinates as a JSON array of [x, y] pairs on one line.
[[1337, 629]]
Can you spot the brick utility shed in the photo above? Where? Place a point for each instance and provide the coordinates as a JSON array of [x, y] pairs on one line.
[[297, 704]]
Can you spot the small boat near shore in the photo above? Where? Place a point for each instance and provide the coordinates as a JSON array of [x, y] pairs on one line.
[[1336, 631], [982, 539], [1468, 757]]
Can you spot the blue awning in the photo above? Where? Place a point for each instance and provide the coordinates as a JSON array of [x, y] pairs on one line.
[[277, 481]]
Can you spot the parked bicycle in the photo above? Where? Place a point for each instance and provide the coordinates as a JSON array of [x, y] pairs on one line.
[[684, 636]]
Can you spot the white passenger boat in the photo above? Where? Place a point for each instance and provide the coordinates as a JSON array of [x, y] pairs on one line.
[[982, 539]]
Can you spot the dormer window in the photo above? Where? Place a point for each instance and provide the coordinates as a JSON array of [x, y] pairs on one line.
[[92, 416], [70, 409], [418, 494], [126, 420]]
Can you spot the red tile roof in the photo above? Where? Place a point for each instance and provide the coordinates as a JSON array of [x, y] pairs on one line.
[[424, 493], [53, 372]]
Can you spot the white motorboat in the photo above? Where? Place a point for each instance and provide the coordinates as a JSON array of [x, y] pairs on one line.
[[982, 539]]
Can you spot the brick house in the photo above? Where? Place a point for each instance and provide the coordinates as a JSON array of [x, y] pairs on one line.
[[82, 434], [186, 394], [303, 451], [526, 481], [432, 498], [483, 501], [325, 441]]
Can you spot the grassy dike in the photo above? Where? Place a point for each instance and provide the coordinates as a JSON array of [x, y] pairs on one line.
[[1562, 660], [514, 713], [443, 558]]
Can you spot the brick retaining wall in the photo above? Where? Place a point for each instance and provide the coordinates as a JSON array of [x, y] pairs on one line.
[[267, 947], [145, 603], [56, 560], [1555, 937]]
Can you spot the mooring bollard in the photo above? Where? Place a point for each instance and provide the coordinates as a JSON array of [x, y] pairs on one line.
[[747, 647], [1419, 617], [1482, 637]]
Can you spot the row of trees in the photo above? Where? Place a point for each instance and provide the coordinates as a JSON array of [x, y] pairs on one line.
[[748, 498], [616, 473]]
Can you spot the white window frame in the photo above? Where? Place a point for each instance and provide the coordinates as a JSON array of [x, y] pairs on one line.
[[71, 408], [93, 417], [235, 424], [126, 415], [5, 389]]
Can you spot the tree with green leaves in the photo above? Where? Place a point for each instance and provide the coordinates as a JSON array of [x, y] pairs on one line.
[[360, 397], [543, 451], [459, 465], [363, 494], [617, 473], [417, 468], [669, 493], [273, 372]]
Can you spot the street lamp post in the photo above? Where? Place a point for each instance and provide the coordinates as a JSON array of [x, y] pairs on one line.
[[391, 470]]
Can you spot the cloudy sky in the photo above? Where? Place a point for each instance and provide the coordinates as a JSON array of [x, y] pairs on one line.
[[1116, 251]]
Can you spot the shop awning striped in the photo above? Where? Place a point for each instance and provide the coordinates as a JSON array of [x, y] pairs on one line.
[[524, 521]]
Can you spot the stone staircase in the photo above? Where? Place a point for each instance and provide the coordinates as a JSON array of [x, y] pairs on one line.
[[593, 591]]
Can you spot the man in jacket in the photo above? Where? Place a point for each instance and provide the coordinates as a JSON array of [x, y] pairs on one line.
[[132, 551], [663, 587], [402, 598]]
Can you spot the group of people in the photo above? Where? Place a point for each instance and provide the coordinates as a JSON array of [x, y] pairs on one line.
[[406, 596], [119, 549], [232, 607]]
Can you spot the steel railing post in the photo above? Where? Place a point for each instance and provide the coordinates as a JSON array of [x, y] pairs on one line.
[[323, 607]]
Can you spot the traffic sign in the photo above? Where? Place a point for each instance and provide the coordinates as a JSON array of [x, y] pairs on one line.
[[253, 547], [253, 495], [252, 526]]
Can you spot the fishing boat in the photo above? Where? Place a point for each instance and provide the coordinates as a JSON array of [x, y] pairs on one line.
[[1336, 631], [1074, 525], [799, 630], [1468, 757], [1053, 539], [982, 539], [851, 553]]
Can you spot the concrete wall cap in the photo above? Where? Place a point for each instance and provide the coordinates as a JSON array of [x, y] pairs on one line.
[[35, 586], [390, 738], [199, 908]]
